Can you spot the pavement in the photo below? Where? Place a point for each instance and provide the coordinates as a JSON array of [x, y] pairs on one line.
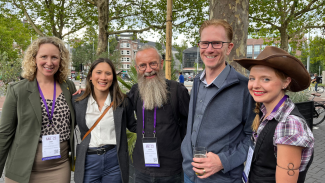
[[316, 172]]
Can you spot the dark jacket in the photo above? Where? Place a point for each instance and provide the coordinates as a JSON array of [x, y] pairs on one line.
[[170, 130], [20, 127], [225, 128], [123, 118]]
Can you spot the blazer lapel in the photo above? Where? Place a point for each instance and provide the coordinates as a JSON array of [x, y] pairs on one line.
[[34, 99], [117, 122], [67, 95]]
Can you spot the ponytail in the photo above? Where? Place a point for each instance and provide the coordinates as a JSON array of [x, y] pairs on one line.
[[256, 121]]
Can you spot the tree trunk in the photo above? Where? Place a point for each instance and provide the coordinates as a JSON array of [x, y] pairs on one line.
[[235, 12], [284, 39], [102, 6]]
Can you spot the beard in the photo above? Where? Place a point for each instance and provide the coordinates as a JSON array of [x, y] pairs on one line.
[[153, 91]]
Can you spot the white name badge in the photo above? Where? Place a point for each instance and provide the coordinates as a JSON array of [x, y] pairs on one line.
[[248, 164], [150, 151], [50, 147]]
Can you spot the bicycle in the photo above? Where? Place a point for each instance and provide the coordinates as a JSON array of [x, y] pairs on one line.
[[320, 89], [319, 111]]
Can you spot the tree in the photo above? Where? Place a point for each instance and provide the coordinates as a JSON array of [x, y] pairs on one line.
[[14, 35], [9, 72], [116, 17], [236, 14], [285, 20], [180, 48], [316, 51], [50, 18]]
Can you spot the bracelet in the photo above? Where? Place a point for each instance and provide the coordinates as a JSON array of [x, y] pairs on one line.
[[289, 169]]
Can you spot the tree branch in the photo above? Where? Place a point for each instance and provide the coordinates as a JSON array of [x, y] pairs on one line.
[[138, 31], [264, 21], [39, 32], [92, 2], [303, 11], [75, 30]]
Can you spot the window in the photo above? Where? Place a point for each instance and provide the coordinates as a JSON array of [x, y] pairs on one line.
[[257, 49], [125, 52], [125, 45], [249, 49], [125, 59], [128, 66]]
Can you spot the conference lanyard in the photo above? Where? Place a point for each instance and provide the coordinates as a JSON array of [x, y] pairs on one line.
[[149, 144], [154, 121], [44, 101]]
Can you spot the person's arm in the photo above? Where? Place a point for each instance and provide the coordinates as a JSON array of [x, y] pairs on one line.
[[130, 119], [288, 163], [183, 105], [8, 124]]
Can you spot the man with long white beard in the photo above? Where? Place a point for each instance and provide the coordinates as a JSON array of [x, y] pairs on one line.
[[161, 107]]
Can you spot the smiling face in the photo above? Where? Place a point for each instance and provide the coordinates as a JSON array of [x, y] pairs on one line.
[[47, 60], [102, 78], [148, 59], [266, 86], [211, 57]]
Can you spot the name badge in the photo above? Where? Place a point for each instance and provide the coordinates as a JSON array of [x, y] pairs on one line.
[[150, 151], [248, 164], [51, 147]]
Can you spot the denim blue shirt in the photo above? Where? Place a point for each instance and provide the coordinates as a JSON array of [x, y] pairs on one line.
[[205, 94]]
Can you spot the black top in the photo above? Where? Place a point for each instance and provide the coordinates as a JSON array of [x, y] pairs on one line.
[[168, 131], [264, 160], [317, 79]]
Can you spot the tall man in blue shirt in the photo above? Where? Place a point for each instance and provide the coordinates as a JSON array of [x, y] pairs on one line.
[[220, 112]]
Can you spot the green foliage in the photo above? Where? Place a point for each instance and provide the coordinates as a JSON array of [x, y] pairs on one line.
[[132, 138], [316, 51], [14, 35], [286, 20], [180, 48], [301, 96], [10, 70], [49, 18]]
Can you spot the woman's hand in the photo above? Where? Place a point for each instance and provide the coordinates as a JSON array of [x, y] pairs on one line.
[[79, 91]]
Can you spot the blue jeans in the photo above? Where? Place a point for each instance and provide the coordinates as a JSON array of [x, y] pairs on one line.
[[316, 86], [102, 168], [145, 178], [187, 179]]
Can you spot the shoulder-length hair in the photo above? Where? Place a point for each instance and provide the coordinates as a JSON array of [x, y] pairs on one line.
[[114, 89], [29, 63]]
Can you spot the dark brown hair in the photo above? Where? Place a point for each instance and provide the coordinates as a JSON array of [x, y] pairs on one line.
[[114, 89]]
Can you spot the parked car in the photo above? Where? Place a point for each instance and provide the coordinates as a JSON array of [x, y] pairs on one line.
[[190, 78]]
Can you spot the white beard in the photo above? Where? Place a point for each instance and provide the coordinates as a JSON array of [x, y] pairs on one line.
[[153, 91]]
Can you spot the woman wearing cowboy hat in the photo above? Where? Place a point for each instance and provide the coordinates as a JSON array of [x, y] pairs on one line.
[[283, 141]]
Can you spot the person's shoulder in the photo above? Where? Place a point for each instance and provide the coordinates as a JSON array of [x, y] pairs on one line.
[[240, 76], [75, 97], [21, 85]]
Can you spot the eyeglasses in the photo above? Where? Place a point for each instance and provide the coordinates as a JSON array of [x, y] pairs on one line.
[[143, 67], [215, 44]]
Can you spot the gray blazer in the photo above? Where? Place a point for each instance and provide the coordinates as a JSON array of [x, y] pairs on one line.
[[123, 118]]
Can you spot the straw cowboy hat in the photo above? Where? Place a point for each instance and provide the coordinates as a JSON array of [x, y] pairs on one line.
[[281, 60]]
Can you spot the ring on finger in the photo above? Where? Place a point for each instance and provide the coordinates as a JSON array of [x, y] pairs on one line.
[[203, 171]]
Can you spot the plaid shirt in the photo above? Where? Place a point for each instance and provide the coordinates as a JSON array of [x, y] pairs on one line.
[[291, 130]]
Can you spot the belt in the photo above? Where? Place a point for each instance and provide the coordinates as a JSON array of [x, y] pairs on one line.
[[100, 150]]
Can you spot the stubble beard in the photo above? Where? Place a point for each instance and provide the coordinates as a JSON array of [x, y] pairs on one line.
[[153, 91]]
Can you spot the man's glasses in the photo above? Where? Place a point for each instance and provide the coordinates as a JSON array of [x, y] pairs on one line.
[[215, 44], [143, 67]]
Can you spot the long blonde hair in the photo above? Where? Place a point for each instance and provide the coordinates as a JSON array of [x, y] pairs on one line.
[[29, 63]]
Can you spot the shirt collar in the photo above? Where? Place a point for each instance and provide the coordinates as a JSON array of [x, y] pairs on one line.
[[218, 81], [282, 113], [93, 101]]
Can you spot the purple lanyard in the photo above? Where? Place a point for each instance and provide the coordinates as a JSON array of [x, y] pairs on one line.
[[284, 98], [154, 121], [44, 101]]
